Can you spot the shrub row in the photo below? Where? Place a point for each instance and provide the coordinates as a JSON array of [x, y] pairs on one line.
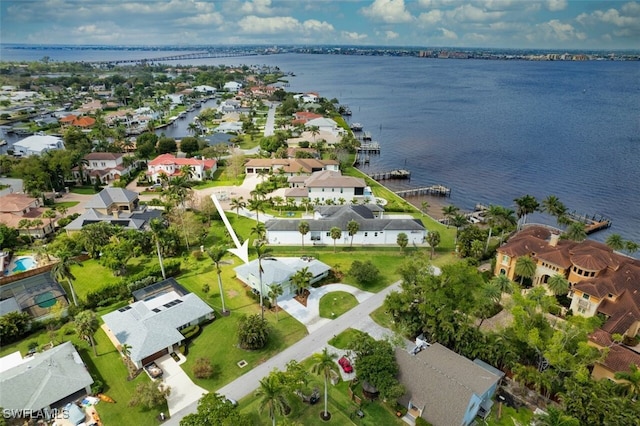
[[110, 294], [191, 331]]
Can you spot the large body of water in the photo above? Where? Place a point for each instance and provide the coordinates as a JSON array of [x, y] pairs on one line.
[[492, 131]]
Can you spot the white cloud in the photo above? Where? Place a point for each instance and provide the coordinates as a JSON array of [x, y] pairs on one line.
[[448, 34], [430, 17], [257, 7], [556, 5], [352, 36], [202, 19], [313, 25], [282, 24], [555, 30], [391, 35], [389, 11], [470, 13]]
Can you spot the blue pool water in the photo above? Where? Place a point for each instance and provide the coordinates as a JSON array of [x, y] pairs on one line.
[[24, 264]]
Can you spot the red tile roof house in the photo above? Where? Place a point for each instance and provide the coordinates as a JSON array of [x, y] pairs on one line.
[[603, 282], [73, 120], [171, 166], [16, 207], [104, 167]]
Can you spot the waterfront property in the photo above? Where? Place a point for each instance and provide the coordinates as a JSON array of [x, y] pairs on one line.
[[445, 388], [151, 327], [37, 145], [44, 380], [300, 167], [327, 186], [279, 270], [374, 227], [602, 282], [117, 206], [169, 165]]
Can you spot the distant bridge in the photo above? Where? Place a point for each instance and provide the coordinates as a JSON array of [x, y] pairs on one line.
[[180, 57]]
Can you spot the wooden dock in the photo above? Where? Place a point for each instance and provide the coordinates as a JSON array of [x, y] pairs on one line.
[[369, 148], [393, 174], [592, 223], [439, 190]]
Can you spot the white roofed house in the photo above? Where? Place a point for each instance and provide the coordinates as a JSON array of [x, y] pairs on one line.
[[279, 270], [327, 186], [325, 125], [374, 227], [151, 327], [232, 86], [103, 167], [37, 145], [207, 90]]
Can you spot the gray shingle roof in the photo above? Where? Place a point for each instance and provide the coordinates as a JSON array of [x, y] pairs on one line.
[[133, 220], [340, 216], [280, 269], [43, 379], [111, 195], [148, 331], [441, 382]]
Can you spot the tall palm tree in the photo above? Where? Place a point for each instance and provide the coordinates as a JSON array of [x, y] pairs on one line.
[[458, 221], [423, 207], [260, 231], [402, 240], [275, 291], [352, 228], [273, 396], [278, 202], [303, 228], [62, 270], [323, 363], [50, 214], [335, 234], [433, 238], [450, 211], [157, 227], [503, 283], [525, 268], [553, 206], [558, 284], [237, 204], [615, 241], [216, 254], [87, 324], [262, 252], [306, 203], [257, 205], [526, 205]]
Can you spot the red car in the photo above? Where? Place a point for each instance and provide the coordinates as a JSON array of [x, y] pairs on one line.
[[345, 364]]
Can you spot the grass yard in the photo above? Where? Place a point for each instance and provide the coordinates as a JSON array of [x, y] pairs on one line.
[[86, 190], [509, 416], [342, 409], [66, 204], [381, 317], [344, 339], [336, 303]]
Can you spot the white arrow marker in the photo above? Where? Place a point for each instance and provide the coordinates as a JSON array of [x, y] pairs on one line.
[[241, 250]]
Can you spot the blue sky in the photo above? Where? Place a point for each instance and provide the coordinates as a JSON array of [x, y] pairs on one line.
[[558, 24]]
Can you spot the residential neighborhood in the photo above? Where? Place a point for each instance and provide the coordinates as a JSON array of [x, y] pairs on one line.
[[151, 279]]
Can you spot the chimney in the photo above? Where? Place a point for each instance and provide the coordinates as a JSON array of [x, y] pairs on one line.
[[116, 213], [553, 240]]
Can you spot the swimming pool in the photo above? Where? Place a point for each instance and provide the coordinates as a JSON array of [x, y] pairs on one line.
[[24, 264], [45, 300]]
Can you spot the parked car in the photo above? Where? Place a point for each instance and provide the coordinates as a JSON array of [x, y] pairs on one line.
[[345, 364]]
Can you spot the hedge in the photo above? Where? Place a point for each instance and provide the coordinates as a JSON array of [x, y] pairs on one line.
[[191, 331]]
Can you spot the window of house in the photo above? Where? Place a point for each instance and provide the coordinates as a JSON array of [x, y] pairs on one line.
[[585, 296], [375, 234], [505, 258], [366, 234]]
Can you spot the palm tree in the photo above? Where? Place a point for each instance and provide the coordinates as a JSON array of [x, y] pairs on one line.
[[323, 363], [86, 324], [275, 291], [259, 231], [278, 201], [262, 252], [615, 241], [402, 240], [62, 270], [352, 228], [237, 204], [50, 214], [335, 234], [157, 227], [458, 221], [553, 206], [306, 203], [433, 238], [576, 232], [301, 280], [423, 207], [525, 268], [526, 204], [558, 284], [450, 211], [273, 393], [631, 246], [303, 229], [315, 131], [257, 205], [26, 224], [216, 254], [503, 283], [631, 379]]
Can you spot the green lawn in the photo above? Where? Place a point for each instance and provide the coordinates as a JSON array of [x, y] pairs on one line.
[[91, 275], [86, 190], [66, 204], [336, 303], [344, 339], [342, 409], [509, 416]]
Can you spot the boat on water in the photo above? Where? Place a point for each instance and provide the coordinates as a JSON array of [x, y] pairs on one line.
[[182, 115], [356, 127], [366, 136], [3, 142]]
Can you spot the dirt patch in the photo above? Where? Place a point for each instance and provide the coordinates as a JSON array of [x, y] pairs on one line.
[[232, 293], [302, 298]]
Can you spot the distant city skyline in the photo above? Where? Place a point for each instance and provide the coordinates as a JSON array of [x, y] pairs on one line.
[[544, 24]]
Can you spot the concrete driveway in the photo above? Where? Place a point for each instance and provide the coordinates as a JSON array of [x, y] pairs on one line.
[[183, 391], [310, 315]]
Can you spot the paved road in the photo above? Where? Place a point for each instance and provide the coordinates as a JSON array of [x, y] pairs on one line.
[[357, 317]]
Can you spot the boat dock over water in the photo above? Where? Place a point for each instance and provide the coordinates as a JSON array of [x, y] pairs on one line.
[[592, 223], [369, 148], [393, 174], [439, 190]]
